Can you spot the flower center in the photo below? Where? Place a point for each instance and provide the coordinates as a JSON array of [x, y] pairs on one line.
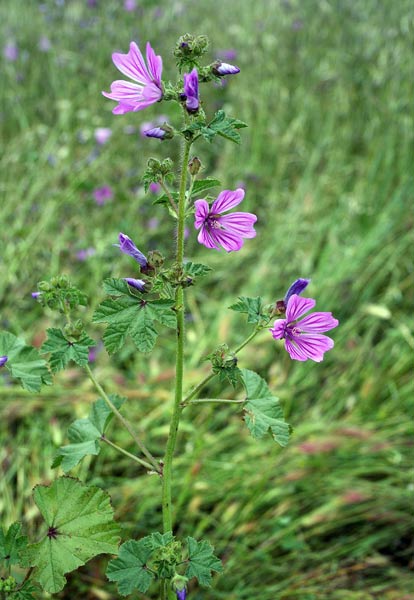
[[212, 222]]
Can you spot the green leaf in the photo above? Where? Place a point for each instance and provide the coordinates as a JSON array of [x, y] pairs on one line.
[[24, 362], [253, 307], [165, 200], [85, 434], [201, 561], [202, 185], [195, 269], [80, 525], [63, 350], [11, 544], [131, 316], [159, 540], [115, 287], [263, 412], [225, 126], [129, 570]]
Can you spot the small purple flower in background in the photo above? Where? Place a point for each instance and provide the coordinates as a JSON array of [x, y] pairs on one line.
[[153, 223], [228, 54], [148, 88], [85, 253], [221, 69], [303, 338], [154, 188], [130, 5], [44, 44], [11, 52], [138, 284], [103, 194], [181, 594], [127, 246], [191, 90], [3, 360], [225, 230], [102, 135], [36, 295]]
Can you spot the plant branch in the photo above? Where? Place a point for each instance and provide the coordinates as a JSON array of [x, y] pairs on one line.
[[132, 456], [125, 422]]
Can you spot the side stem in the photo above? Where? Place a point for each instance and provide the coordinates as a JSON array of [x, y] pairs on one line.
[[179, 364]]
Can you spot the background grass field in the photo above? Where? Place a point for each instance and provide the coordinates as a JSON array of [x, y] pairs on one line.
[[327, 163]]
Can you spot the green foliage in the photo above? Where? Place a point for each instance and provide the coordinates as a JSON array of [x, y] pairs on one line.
[[253, 307], [116, 287], [221, 124], [263, 411], [157, 171], [80, 525], [84, 434], [59, 294], [63, 350], [130, 316], [11, 543], [224, 364], [24, 362], [201, 561], [202, 185], [130, 570], [195, 269]]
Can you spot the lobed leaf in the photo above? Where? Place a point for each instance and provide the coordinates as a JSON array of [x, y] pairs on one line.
[[24, 362], [63, 350], [80, 525], [129, 569], [253, 307], [11, 543], [201, 561], [202, 185], [195, 269], [263, 412]]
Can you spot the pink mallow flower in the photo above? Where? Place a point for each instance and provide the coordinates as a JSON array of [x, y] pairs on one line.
[[303, 338], [217, 229], [102, 135], [148, 87], [103, 194]]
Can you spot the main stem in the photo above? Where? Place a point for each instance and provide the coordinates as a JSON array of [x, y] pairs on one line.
[[179, 363]]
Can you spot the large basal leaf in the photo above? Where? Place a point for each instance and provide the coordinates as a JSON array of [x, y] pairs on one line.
[[84, 434], [263, 412], [201, 561], [63, 350], [131, 316], [24, 362], [11, 543], [129, 570], [79, 525]]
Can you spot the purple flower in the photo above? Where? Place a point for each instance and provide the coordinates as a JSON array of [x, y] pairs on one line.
[[102, 135], [11, 52], [3, 360], [221, 69], [156, 132], [225, 230], [154, 188], [36, 295], [148, 88], [138, 284], [130, 5], [86, 253], [303, 338], [297, 287], [191, 90], [181, 594], [103, 194], [157, 122], [127, 246]]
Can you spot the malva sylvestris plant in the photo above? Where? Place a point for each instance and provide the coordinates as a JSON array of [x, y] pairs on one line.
[[78, 518]]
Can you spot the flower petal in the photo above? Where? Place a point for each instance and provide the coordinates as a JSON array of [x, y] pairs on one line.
[[310, 346], [154, 65], [298, 306], [278, 329], [201, 212], [230, 241], [240, 223], [226, 200], [132, 64], [205, 238], [125, 92], [318, 322]]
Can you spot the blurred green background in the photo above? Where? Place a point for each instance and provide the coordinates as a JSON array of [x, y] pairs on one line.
[[326, 90]]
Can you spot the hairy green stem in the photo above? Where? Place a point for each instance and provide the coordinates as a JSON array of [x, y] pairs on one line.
[[169, 196], [179, 364], [132, 456], [125, 422], [219, 400]]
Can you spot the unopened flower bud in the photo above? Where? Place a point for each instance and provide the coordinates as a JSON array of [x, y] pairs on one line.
[[3, 360], [138, 284], [194, 165], [165, 132], [155, 259], [222, 69], [296, 288], [127, 246]]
